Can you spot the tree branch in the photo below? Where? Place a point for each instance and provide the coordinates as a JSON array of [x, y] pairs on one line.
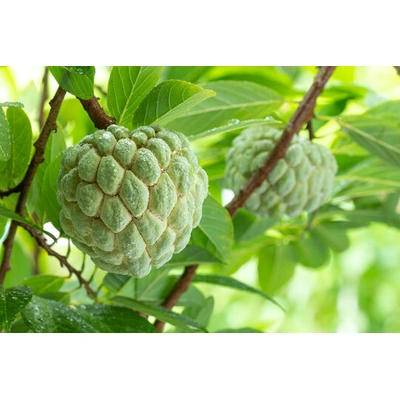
[[301, 116], [179, 288], [41, 241], [96, 113], [40, 146], [397, 70], [44, 97]]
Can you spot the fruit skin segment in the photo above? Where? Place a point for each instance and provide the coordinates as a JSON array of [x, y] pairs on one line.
[[301, 181], [130, 199]]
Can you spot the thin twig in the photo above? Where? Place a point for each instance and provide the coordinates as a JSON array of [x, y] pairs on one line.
[[179, 288], [41, 241], [301, 116], [310, 129], [96, 113], [40, 146], [45, 96], [8, 192]]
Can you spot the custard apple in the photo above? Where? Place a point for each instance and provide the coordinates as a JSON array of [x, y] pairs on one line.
[[301, 181], [130, 199]]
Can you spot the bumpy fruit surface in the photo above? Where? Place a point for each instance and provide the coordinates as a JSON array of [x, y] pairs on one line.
[[130, 200], [301, 181]]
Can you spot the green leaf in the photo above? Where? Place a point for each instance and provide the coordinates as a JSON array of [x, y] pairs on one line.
[[37, 203], [38, 316], [239, 330], [234, 100], [276, 265], [5, 138], [80, 70], [112, 319], [21, 263], [243, 252], [200, 313], [61, 297], [192, 255], [78, 82], [234, 125], [370, 177], [169, 100], [193, 297], [365, 217], [312, 251], [5, 212], [44, 315], [275, 78], [19, 326], [189, 74], [153, 288], [12, 170], [388, 109], [330, 109], [44, 283], [247, 226], [232, 283], [379, 136], [215, 231], [333, 235], [127, 87], [161, 313], [345, 92], [12, 302], [58, 318], [49, 193], [12, 104], [114, 282]]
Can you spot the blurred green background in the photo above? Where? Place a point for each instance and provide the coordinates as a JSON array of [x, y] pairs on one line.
[[357, 291]]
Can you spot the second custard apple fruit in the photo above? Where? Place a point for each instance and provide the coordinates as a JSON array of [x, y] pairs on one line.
[[130, 199], [301, 181]]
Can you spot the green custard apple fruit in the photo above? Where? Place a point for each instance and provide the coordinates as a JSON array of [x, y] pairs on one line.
[[301, 181], [130, 199]]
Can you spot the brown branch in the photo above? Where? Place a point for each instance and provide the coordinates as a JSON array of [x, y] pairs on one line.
[[179, 288], [45, 95], [397, 70], [96, 113], [41, 241], [40, 146], [301, 116]]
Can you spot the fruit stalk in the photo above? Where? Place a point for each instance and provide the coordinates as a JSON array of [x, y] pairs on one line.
[[96, 113]]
